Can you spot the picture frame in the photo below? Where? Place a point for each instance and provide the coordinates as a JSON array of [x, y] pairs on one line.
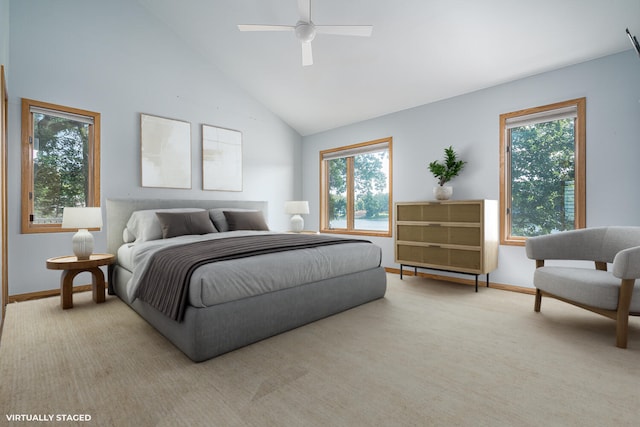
[[221, 159], [165, 152]]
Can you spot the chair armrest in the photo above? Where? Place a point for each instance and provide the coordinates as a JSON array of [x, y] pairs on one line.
[[626, 264], [583, 244]]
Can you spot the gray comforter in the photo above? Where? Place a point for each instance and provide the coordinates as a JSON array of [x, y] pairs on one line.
[[230, 280], [164, 284]]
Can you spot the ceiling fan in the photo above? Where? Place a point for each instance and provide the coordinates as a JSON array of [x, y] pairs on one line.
[[305, 30]]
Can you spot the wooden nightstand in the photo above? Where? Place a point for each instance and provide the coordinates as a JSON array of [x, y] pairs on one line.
[[71, 267]]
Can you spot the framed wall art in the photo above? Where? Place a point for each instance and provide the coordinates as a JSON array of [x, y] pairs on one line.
[[165, 146], [221, 159]]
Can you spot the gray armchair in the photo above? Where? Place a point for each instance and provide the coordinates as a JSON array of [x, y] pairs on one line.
[[613, 294]]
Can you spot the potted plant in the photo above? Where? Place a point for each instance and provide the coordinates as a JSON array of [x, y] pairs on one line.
[[445, 172]]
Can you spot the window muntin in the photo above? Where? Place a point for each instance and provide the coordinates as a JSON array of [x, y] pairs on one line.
[[356, 189], [60, 163], [542, 178]]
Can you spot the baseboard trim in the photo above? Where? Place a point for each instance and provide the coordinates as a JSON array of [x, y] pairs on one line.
[[46, 294], [469, 282]]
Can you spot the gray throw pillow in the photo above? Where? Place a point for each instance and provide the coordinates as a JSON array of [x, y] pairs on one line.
[[219, 220], [246, 220], [184, 223], [144, 225]]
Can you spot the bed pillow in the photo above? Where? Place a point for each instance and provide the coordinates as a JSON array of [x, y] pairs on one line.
[[185, 223], [220, 221], [144, 225], [245, 220], [127, 237]]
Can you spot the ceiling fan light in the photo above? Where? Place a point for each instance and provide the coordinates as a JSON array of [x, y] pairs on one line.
[[305, 31]]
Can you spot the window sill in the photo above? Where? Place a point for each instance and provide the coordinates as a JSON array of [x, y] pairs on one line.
[[357, 233]]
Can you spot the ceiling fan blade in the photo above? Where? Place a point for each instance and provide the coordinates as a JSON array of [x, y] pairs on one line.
[[307, 56], [304, 10], [346, 30], [259, 27]]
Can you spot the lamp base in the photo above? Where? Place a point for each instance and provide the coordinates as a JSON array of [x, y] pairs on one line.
[[297, 223], [82, 244]]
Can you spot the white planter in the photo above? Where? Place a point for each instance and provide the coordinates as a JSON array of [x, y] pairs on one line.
[[442, 192]]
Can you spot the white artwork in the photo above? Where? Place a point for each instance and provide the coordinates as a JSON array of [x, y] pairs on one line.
[[165, 152], [221, 159]]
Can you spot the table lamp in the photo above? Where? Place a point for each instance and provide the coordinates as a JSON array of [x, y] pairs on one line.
[[82, 219], [296, 208]]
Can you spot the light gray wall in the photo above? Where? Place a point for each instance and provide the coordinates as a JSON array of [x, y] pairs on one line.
[[114, 58], [4, 33], [470, 123], [4, 60]]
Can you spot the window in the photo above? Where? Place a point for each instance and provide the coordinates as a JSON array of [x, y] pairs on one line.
[[542, 170], [60, 163], [356, 184]]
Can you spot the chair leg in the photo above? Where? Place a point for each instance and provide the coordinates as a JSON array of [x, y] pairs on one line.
[[536, 306], [622, 330], [622, 314]]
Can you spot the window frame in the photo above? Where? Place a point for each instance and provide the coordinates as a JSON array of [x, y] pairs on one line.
[[580, 167], [324, 188], [28, 170]]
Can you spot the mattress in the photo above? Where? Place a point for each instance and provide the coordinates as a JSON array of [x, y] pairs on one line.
[[225, 281]]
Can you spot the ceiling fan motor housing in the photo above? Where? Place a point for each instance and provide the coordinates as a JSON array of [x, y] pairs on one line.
[[305, 31]]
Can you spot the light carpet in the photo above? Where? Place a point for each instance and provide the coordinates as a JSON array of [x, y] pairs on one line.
[[428, 354]]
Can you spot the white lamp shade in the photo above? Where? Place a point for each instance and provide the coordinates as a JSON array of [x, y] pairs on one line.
[[296, 207], [81, 218]]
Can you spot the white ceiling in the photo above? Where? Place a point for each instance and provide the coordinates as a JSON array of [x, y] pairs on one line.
[[421, 51]]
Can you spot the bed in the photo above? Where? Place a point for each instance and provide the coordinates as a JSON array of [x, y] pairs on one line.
[[255, 301]]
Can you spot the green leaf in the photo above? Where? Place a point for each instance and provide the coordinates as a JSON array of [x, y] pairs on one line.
[[448, 170]]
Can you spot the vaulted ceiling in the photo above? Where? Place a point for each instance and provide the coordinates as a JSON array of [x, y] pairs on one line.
[[420, 51]]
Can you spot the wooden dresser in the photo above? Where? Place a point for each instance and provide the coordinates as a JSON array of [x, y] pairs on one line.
[[455, 235]]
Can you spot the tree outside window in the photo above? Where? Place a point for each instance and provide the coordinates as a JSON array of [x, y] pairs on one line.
[[60, 166]]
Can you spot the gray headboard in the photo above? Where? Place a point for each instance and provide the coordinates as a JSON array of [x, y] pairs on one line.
[[119, 211]]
